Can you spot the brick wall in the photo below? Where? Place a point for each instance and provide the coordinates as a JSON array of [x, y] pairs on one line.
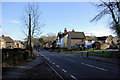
[[76, 41]]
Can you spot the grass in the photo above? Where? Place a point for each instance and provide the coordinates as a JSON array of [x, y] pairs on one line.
[[102, 54], [90, 50]]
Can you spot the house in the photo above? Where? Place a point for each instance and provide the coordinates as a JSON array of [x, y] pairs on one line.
[[47, 44], [18, 44], [96, 45], [102, 40], [6, 42], [61, 40], [2, 43], [70, 40], [75, 40], [108, 42], [89, 40], [116, 41], [109, 39]]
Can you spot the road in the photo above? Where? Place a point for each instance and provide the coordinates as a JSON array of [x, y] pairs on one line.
[[78, 67]]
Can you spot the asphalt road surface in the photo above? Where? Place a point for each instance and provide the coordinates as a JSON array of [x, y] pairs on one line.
[[78, 67]]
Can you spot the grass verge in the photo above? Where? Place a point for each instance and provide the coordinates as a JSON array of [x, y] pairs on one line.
[[90, 50], [102, 54]]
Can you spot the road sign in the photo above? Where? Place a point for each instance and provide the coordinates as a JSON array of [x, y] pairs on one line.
[[36, 43]]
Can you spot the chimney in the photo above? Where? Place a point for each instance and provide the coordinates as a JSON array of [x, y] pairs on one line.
[[65, 31], [73, 30], [3, 36]]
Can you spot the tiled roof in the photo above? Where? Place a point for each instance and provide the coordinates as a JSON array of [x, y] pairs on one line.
[[61, 35], [76, 34], [8, 39], [102, 38], [90, 38]]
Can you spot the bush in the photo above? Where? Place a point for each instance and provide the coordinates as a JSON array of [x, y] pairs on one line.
[[15, 56]]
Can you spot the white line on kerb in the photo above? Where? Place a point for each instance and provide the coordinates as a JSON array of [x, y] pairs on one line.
[[95, 67], [57, 66], [64, 70], [55, 71], [73, 77]]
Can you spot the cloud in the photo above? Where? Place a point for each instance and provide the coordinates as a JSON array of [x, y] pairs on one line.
[[98, 33], [12, 22]]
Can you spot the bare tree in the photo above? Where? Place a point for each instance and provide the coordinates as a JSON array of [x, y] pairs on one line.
[[32, 22], [113, 9]]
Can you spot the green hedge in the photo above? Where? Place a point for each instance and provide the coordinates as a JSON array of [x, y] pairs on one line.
[[15, 56]]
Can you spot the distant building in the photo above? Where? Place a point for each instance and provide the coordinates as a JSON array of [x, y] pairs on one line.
[[102, 40], [47, 44], [18, 44], [89, 40], [6, 42]]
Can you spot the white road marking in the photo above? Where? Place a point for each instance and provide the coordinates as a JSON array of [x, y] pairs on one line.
[[64, 70], [101, 69], [55, 71], [53, 63], [46, 57], [94, 67], [73, 77], [57, 66], [69, 60]]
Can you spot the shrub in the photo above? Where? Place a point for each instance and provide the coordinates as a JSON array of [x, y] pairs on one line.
[[15, 56]]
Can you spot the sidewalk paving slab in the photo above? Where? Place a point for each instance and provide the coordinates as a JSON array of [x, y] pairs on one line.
[[16, 71]]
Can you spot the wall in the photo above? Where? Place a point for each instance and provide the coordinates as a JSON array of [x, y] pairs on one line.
[[68, 42], [76, 41], [2, 43]]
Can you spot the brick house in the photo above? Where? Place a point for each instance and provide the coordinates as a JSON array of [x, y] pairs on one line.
[[2, 43], [75, 39], [70, 40], [6, 42], [18, 44]]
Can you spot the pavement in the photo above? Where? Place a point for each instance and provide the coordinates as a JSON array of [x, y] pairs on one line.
[[16, 71]]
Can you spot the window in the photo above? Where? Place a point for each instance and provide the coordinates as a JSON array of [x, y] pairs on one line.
[[89, 41], [82, 40]]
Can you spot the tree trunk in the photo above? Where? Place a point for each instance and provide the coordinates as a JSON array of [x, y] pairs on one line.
[[30, 48]]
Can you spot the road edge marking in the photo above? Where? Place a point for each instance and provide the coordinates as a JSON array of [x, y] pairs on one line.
[[73, 77]]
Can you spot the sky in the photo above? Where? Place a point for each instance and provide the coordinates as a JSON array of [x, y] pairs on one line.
[[56, 16]]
